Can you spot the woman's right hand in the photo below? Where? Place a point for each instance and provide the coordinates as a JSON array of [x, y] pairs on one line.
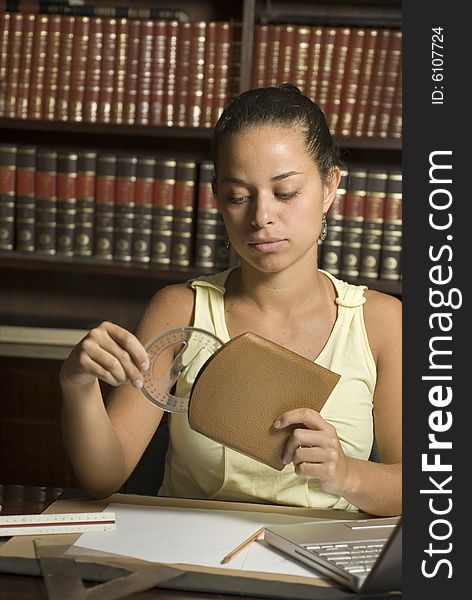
[[110, 353]]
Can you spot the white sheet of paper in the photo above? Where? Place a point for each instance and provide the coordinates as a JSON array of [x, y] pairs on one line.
[[193, 536]]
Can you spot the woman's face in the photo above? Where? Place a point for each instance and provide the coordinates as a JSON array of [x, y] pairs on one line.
[[271, 196]]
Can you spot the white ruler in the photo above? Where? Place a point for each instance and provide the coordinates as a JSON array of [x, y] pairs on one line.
[[56, 523]]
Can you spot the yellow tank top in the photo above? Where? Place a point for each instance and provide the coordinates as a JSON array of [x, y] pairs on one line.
[[197, 467]]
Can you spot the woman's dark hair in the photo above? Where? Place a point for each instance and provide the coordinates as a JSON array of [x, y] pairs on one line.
[[282, 105]]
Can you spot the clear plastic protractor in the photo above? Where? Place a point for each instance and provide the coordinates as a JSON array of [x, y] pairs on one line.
[[170, 353]]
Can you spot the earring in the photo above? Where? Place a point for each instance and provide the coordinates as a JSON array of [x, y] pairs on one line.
[[324, 227], [227, 242]]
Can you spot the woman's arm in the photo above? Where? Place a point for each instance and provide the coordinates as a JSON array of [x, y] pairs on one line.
[[105, 442], [375, 488]]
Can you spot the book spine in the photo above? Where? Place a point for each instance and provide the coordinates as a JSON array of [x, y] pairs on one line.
[[66, 202], [38, 68], [15, 40], [326, 64], [78, 69], [93, 67], [94, 10], [373, 224], [273, 54], [182, 73], [206, 220], [132, 73], [46, 201], [5, 20], [141, 247], [222, 252], [25, 72], [158, 74], [350, 85], [7, 195], [301, 58], [341, 55], [107, 71], [143, 96], [222, 69], [314, 62], [25, 199], [375, 94], [193, 112], [260, 56], [173, 41], [163, 211], [124, 207], [61, 89], [353, 223], [209, 75], [51, 69], [395, 126], [119, 77], [393, 69], [331, 248], [184, 214], [286, 54], [84, 229], [104, 207], [361, 107], [390, 261]]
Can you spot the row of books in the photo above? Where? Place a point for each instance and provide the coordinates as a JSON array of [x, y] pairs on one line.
[[165, 72], [123, 207], [111, 207], [353, 73], [135, 71], [365, 225]]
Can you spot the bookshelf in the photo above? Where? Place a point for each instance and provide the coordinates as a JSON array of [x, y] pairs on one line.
[[77, 292]]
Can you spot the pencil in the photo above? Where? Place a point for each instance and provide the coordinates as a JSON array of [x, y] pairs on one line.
[[251, 538]]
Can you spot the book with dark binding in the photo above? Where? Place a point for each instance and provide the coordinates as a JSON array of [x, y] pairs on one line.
[[104, 207], [46, 201], [353, 222], [331, 247], [125, 184], [391, 253], [66, 202], [142, 231], [8, 160], [206, 219], [94, 10], [163, 212], [376, 188], [184, 214], [84, 228], [25, 203]]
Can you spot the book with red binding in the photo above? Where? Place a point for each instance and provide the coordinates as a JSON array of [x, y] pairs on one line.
[[195, 84], [375, 92], [131, 73], [392, 79], [12, 70], [260, 55], [173, 41], [342, 54], [286, 60], [36, 91], [93, 66], [350, 85], [182, 75], [143, 82], [314, 62], [78, 66], [328, 43], [62, 86], [301, 58], [119, 73], [361, 106], [51, 68], [209, 67], [158, 73], [107, 71], [25, 72], [353, 222]]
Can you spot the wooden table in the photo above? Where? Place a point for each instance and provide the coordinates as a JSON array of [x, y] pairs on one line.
[[19, 499]]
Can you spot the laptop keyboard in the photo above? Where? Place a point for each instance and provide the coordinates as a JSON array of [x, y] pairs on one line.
[[355, 557]]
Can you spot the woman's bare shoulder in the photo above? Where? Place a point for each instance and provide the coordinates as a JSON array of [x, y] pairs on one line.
[[383, 319]]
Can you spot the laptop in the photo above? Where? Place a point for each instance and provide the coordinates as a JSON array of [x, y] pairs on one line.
[[364, 555]]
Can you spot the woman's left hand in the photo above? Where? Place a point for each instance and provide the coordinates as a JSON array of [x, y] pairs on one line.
[[314, 449]]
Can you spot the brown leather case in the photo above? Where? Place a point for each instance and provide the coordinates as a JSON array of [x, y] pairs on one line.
[[245, 386]]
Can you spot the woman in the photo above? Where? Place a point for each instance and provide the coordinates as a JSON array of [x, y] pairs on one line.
[[276, 174]]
